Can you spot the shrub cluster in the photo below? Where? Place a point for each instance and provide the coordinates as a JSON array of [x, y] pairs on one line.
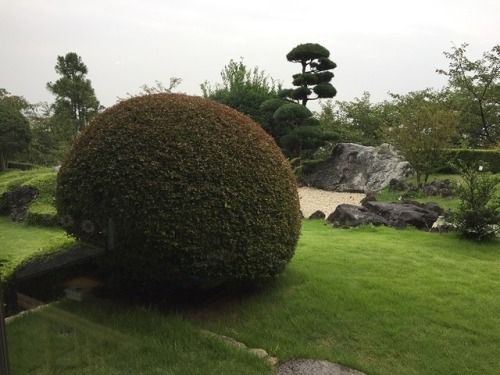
[[181, 188], [478, 215], [471, 157]]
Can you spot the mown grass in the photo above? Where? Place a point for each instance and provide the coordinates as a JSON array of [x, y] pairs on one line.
[[376, 299], [379, 300], [17, 240], [103, 339]]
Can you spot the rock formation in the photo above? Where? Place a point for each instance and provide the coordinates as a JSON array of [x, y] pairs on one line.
[[356, 168]]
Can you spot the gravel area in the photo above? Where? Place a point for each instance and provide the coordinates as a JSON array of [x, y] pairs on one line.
[[312, 199]]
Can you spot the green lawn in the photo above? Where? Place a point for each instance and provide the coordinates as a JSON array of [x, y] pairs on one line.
[[446, 203], [18, 240], [376, 299]]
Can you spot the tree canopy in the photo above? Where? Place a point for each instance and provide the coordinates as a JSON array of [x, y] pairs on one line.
[[76, 103], [244, 89], [15, 135], [476, 89], [315, 75], [296, 129], [422, 128]]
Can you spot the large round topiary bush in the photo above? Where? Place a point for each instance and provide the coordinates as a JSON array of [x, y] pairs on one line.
[[181, 188]]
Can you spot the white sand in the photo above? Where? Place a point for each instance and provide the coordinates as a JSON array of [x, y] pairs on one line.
[[312, 200]]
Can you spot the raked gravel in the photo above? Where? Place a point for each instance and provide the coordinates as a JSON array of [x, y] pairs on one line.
[[312, 199]]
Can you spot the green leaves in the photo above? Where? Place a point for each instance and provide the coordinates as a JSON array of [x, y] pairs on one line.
[[291, 112], [192, 186], [307, 51], [15, 134]]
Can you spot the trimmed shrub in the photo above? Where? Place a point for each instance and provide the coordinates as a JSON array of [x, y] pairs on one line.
[[41, 211], [181, 188]]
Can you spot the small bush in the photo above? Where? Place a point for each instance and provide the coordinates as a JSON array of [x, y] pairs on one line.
[[478, 214], [185, 189]]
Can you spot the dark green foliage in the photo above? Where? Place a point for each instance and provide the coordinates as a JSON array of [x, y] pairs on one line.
[[325, 90], [477, 213], [15, 134], [325, 64], [76, 103], [189, 190], [324, 76], [289, 118], [301, 93], [307, 51], [315, 63], [292, 112], [476, 157], [245, 89], [272, 105]]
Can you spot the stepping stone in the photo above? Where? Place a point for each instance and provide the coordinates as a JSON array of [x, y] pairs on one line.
[[314, 366]]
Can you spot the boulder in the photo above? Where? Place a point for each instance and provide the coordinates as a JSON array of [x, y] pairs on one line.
[[349, 215], [403, 215], [317, 215], [356, 168], [442, 226], [399, 215]]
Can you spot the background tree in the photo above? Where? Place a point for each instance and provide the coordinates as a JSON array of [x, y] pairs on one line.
[[158, 88], [298, 129], [15, 135], [476, 89], [422, 128], [49, 137], [76, 103], [358, 121], [244, 89]]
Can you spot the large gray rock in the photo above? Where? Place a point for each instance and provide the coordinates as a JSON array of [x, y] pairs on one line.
[[356, 168], [403, 215], [421, 216], [349, 215]]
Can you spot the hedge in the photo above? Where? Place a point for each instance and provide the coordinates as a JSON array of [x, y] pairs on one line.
[[186, 188]]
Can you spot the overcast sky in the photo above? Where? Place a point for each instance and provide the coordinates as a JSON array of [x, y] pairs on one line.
[[379, 46]]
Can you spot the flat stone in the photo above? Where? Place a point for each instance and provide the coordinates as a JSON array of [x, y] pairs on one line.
[[314, 366]]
